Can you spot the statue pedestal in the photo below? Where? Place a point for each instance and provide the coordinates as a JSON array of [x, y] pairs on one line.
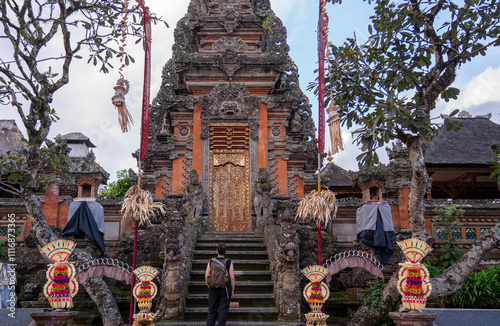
[[413, 318], [53, 318]]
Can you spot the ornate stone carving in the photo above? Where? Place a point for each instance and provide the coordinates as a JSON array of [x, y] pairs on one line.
[[273, 168], [230, 102], [229, 11], [173, 269], [292, 187], [276, 131], [287, 269], [183, 130], [235, 44], [262, 203], [189, 142], [285, 156], [270, 143], [195, 199]]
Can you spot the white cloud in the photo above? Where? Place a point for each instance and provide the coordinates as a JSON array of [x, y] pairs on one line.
[[84, 104], [481, 89]]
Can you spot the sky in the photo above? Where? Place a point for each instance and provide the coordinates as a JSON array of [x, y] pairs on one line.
[[84, 104]]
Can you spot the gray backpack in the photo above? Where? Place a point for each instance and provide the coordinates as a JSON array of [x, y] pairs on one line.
[[218, 276]]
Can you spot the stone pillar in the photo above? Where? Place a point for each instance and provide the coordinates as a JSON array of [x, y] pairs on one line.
[[53, 318], [412, 318]]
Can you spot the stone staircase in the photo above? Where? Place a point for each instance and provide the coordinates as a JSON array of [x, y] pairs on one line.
[[254, 286]]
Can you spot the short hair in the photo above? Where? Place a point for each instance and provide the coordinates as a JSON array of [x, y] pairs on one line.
[[221, 248]]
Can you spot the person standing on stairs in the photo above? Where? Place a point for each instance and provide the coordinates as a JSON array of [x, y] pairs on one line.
[[219, 277]]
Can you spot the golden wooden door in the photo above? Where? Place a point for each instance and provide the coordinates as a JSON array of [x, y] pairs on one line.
[[229, 179]]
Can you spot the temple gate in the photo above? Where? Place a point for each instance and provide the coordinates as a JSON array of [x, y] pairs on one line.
[[229, 104]]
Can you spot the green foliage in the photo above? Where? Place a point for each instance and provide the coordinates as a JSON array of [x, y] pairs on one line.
[[446, 219], [434, 271], [450, 253], [388, 85], [373, 295], [480, 290], [266, 23], [495, 165], [116, 188]]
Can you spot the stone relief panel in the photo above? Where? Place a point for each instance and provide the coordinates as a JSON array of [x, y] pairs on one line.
[[273, 175], [230, 103], [234, 44]]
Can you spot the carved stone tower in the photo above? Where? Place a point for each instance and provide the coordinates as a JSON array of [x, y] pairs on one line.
[[229, 104]]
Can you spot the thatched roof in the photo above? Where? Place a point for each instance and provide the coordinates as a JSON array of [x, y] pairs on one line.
[[469, 145], [10, 137]]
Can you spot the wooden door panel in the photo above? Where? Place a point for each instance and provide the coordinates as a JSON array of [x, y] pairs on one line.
[[229, 205]]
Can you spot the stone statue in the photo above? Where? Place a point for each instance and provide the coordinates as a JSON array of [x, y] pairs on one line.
[[296, 123], [288, 285], [172, 290], [262, 204], [194, 204]]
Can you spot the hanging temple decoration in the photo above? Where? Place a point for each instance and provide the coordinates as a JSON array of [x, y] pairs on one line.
[[122, 85]]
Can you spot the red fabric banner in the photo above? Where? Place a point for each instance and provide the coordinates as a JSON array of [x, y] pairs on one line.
[[322, 43], [146, 90]]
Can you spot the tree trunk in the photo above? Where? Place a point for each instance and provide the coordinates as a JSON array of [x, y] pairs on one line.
[[96, 287], [445, 284], [419, 181]]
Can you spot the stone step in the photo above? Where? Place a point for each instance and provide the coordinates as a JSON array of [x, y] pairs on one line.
[[229, 237], [248, 314], [199, 275], [231, 323], [240, 264], [233, 255], [200, 287], [246, 246], [243, 299]]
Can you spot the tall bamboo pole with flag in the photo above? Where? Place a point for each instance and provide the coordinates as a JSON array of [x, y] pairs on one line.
[[138, 204], [320, 205]]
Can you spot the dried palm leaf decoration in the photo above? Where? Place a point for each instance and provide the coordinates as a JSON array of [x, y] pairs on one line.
[[122, 85], [118, 100], [334, 119], [138, 203], [317, 207]]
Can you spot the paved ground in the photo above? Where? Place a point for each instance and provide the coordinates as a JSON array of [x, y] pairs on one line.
[[466, 317], [22, 317]]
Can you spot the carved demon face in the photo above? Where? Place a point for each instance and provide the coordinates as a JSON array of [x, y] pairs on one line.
[[229, 109]]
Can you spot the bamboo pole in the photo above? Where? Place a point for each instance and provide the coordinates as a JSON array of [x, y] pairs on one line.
[[320, 239]]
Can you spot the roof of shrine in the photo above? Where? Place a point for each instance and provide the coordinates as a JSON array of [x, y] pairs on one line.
[[78, 137], [337, 176], [470, 145]]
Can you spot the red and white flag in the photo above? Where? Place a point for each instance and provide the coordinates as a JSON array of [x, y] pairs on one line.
[[322, 43], [147, 83]]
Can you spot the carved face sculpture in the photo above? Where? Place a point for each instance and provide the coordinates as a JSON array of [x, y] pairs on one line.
[[290, 251], [229, 109], [173, 251]]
